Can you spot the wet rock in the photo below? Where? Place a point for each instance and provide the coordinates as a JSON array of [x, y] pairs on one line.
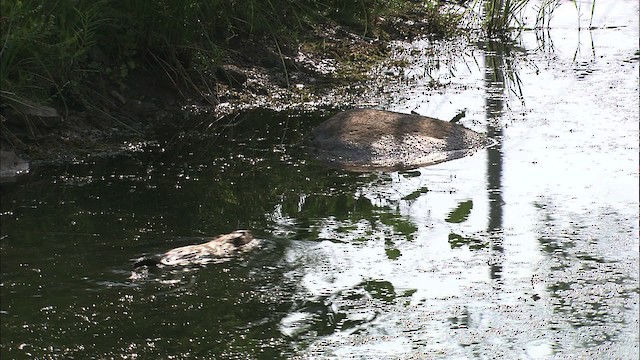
[[368, 140], [24, 115], [12, 165]]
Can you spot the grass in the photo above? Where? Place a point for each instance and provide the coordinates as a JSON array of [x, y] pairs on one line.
[[50, 48], [53, 51], [499, 18]]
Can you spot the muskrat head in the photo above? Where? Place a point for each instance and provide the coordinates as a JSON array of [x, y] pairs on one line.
[[241, 237]]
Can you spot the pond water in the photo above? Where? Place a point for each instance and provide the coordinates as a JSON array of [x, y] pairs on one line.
[[526, 250]]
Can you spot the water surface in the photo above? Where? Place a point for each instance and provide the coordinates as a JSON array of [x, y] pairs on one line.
[[527, 250]]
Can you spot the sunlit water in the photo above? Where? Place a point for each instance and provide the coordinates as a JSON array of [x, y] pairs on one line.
[[527, 250]]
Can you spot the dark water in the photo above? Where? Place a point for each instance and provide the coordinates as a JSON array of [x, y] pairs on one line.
[[69, 233], [526, 250]]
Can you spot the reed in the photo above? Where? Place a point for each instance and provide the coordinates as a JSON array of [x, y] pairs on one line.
[[499, 18]]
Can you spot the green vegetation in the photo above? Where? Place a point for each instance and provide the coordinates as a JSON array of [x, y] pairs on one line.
[[498, 18], [461, 213], [50, 49], [60, 53]]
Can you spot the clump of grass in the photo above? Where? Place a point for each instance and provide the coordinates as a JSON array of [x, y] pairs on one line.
[[498, 18], [501, 15], [43, 43]]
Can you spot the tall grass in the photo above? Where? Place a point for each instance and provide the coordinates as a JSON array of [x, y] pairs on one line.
[[50, 48], [42, 42], [498, 18], [500, 15]]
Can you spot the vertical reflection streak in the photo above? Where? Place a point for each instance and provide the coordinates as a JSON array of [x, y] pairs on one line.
[[495, 87]]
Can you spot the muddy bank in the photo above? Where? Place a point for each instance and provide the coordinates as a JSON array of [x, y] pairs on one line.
[[330, 68]]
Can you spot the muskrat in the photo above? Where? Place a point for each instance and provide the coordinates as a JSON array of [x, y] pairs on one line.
[[223, 246]]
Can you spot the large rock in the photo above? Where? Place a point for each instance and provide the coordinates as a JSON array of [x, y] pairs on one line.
[[368, 140], [11, 166]]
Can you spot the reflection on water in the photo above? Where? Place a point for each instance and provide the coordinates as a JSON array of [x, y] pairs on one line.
[[528, 249]]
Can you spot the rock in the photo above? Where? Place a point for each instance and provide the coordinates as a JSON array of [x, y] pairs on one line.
[[369, 140], [29, 107], [11, 166], [21, 112]]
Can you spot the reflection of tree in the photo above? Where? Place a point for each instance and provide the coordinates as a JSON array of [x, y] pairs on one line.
[[494, 56], [343, 217], [351, 310], [461, 213]]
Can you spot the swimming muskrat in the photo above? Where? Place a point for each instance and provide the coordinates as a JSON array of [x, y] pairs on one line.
[[223, 246]]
